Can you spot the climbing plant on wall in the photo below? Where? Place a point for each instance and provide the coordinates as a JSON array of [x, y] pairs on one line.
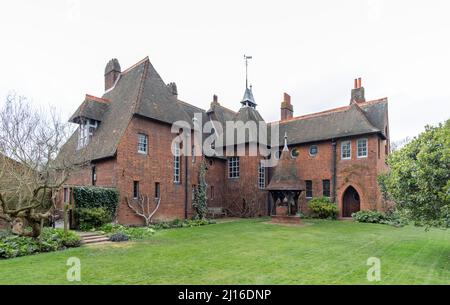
[[199, 202], [96, 197]]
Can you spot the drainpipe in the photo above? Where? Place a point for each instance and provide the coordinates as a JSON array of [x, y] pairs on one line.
[[186, 187], [333, 170]]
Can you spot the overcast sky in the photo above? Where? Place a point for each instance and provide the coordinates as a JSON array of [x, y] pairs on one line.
[[55, 52]]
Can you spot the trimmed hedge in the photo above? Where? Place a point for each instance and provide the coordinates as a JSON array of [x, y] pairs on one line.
[[96, 197], [94, 206], [91, 218]]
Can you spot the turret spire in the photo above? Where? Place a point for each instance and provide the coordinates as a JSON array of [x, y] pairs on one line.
[[246, 70], [248, 99]]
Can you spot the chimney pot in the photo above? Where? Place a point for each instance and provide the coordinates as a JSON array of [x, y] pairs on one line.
[[358, 92], [215, 99]]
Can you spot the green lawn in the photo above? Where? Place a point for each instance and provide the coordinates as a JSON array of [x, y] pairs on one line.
[[252, 252]]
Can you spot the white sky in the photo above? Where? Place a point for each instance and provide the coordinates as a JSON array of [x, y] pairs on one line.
[[55, 52]]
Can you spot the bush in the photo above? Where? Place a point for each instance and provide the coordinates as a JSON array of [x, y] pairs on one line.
[[91, 218], [393, 218], [97, 197], [146, 232], [418, 177], [50, 240], [118, 237], [321, 207], [131, 232], [369, 216]]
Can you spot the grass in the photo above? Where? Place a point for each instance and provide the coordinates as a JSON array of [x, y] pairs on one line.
[[251, 252]]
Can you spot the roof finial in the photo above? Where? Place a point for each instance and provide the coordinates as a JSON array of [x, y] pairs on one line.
[[285, 148], [246, 69]]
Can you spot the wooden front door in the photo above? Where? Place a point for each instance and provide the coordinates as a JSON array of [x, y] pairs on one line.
[[351, 202]]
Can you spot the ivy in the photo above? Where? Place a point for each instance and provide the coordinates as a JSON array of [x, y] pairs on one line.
[[199, 202], [96, 197]]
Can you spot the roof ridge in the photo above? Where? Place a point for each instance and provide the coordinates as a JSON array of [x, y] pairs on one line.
[[97, 99], [146, 59], [332, 110], [186, 103], [228, 109], [314, 114], [141, 87]]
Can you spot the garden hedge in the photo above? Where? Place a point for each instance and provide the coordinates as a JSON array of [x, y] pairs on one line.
[[96, 197]]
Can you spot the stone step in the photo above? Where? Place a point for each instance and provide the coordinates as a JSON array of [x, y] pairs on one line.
[[95, 240], [92, 237], [87, 234]]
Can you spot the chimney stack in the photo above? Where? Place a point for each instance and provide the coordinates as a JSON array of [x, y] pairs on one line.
[[112, 73], [173, 89], [287, 110], [358, 92]]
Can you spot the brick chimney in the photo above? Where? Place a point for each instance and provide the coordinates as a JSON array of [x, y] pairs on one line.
[[287, 110], [112, 73], [173, 89], [358, 92]]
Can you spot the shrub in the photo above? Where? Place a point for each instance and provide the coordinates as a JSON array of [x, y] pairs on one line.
[[321, 207], [131, 232], [418, 179], [145, 232], [97, 197], [118, 237], [50, 240], [91, 218], [369, 216], [4, 233]]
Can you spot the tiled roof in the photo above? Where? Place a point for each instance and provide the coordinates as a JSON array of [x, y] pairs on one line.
[[141, 91], [355, 119]]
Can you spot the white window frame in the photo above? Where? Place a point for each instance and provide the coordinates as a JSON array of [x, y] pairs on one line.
[[177, 163], [366, 148], [233, 168], [142, 143], [86, 131], [261, 176], [344, 143]]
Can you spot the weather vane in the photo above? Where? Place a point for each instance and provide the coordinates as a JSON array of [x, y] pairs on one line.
[[246, 70]]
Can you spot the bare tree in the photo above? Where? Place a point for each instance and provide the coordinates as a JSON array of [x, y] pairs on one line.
[[396, 145], [30, 176], [144, 208]]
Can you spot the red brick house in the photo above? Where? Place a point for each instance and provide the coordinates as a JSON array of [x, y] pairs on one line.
[[126, 135]]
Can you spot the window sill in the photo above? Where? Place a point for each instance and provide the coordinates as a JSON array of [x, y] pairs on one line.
[[142, 153], [362, 157]]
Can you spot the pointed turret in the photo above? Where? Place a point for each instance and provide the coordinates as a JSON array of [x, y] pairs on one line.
[[248, 100], [285, 176]]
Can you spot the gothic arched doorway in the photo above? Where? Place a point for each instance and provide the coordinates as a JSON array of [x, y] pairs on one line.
[[351, 202]]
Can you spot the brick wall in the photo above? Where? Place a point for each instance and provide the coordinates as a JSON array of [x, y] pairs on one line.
[[157, 166], [360, 173]]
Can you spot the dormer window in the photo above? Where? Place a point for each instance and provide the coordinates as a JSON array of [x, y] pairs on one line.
[[86, 131]]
